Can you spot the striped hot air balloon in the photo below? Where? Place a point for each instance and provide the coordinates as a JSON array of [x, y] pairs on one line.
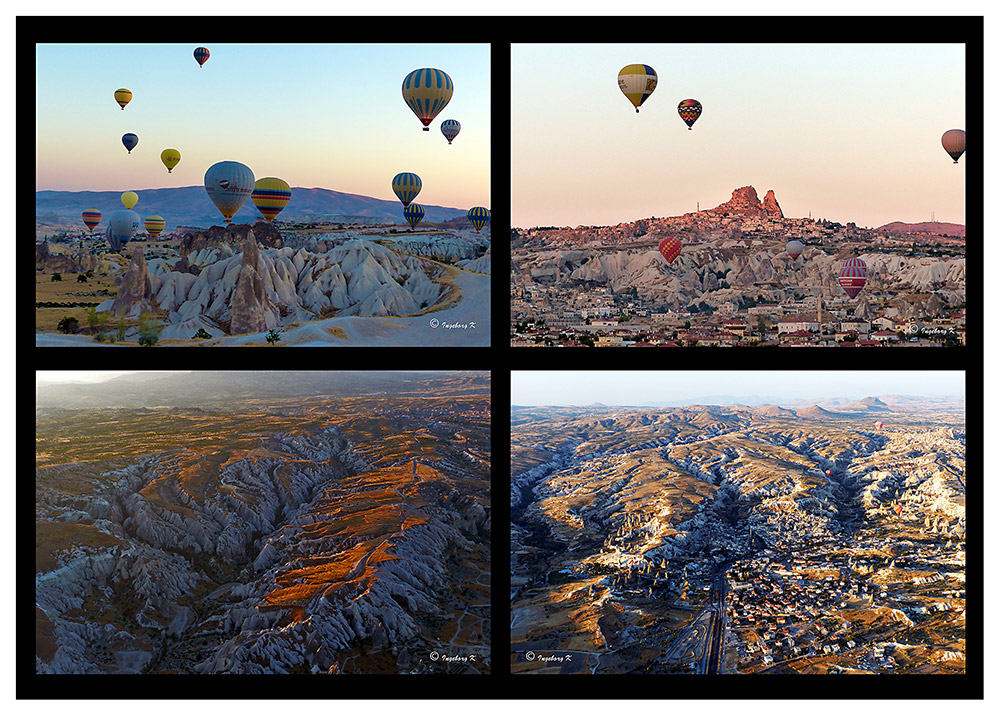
[[406, 186], [478, 216], [201, 54], [228, 185], [154, 225], [794, 248], [637, 82], [450, 129], [123, 97], [853, 276], [689, 110], [270, 196], [427, 91], [91, 217], [670, 248], [413, 214]]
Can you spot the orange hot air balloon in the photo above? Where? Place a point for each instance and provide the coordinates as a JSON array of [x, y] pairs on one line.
[[670, 248], [897, 509], [829, 472]]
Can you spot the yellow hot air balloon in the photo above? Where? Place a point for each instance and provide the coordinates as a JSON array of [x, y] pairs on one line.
[[426, 91], [270, 195], [130, 199], [637, 82], [123, 97], [170, 157], [154, 225]]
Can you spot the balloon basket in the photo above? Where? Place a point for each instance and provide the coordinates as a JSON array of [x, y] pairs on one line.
[[427, 129]]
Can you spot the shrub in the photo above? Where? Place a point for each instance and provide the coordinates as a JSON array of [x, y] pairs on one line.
[[148, 338], [68, 324], [57, 277], [202, 334], [82, 278], [272, 337]]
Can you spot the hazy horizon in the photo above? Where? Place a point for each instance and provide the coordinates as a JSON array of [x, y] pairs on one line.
[[838, 137], [640, 388]]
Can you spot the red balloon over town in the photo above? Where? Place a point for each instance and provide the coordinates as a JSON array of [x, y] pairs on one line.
[[670, 248], [853, 276]]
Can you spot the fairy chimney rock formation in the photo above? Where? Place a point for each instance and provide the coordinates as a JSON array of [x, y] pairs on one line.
[[135, 291], [249, 302], [744, 202]]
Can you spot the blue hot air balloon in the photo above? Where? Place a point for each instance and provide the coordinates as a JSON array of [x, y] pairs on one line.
[[229, 185], [122, 226], [130, 141], [478, 216], [413, 213]]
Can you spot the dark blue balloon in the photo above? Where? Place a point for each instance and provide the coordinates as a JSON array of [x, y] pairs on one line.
[[130, 140]]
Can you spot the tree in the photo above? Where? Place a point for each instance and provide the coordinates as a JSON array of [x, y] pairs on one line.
[[81, 278], [68, 324], [148, 338], [57, 277], [272, 336], [761, 325], [202, 334], [687, 325], [122, 328]]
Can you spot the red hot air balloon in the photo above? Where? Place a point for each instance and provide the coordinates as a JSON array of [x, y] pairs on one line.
[[953, 142], [794, 248], [829, 472], [878, 426], [670, 248], [897, 509], [853, 276]]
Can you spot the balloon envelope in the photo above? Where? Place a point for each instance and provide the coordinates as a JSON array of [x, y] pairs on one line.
[[953, 142], [122, 226], [406, 186], [270, 196], [794, 248], [413, 214], [201, 55], [170, 158], [154, 225], [478, 216], [130, 141], [853, 276], [689, 110], [129, 199], [427, 91], [450, 129], [637, 82], [897, 509], [229, 184], [123, 97], [91, 217], [670, 248]]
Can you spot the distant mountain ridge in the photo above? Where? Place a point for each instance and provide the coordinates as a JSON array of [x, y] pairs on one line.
[[941, 228], [190, 206]]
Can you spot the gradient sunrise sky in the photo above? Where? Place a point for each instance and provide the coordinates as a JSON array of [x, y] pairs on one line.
[[329, 116], [850, 132]]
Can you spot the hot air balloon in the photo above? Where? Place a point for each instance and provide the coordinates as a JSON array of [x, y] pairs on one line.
[[689, 110], [130, 141], [201, 55], [170, 158], [829, 472], [450, 129], [953, 142], [406, 186], [637, 82], [122, 226], [413, 214], [427, 91], [478, 216], [270, 195], [129, 199], [123, 97], [91, 217], [878, 426], [794, 248], [897, 509], [670, 248], [229, 184], [853, 276], [154, 225]]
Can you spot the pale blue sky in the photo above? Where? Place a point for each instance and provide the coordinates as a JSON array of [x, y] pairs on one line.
[[849, 132], [316, 115], [639, 387]]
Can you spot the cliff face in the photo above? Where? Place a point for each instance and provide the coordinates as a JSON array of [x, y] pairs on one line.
[[744, 202]]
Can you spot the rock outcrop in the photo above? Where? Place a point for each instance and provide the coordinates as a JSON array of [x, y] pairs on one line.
[[230, 237], [136, 290], [745, 202], [249, 304]]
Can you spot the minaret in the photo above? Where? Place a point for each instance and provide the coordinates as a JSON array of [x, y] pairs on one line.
[[699, 205]]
